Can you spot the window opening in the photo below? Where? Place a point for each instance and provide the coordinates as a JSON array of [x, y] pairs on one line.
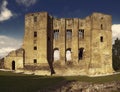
[[101, 26], [35, 34], [68, 54], [81, 53], [35, 19], [35, 47], [35, 61], [81, 33], [56, 54], [56, 34], [69, 34], [101, 38]]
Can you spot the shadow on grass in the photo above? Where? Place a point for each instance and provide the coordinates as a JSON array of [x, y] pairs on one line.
[[28, 83], [10, 82]]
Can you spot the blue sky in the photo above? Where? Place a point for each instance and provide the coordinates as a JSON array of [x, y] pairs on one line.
[[12, 14]]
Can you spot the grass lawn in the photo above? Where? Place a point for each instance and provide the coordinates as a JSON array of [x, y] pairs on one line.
[[11, 82]]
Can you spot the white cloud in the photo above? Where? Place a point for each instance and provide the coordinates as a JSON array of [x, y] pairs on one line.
[[5, 13], [115, 31], [26, 3], [8, 44]]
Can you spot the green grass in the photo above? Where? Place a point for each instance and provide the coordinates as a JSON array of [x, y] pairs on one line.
[[11, 82]]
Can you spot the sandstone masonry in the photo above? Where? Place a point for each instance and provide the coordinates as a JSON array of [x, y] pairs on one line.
[[65, 46]]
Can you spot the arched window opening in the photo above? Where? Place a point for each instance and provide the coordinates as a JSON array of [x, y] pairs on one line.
[[68, 54], [56, 54], [13, 65], [80, 53]]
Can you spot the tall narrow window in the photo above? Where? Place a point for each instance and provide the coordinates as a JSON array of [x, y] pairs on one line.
[[35, 19], [101, 39], [80, 53], [35, 34], [81, 33], [101, 26], [35, 47], [69, 34], [35, 61], [56, 34]]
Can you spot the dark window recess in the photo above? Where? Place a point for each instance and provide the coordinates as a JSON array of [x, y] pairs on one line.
[[101, 26], [69, 34], [35, 61], [35, 48], [56, 34], [81, 33], [35, 19], [80, 54], [101, 39], [35, 34]]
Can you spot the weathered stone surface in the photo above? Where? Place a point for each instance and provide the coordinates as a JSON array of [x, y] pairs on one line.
[[70, 45], [2, 63], [15, 57]]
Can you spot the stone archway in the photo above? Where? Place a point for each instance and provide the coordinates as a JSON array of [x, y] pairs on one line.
[[56, 55], [68, 54], [13, 65]]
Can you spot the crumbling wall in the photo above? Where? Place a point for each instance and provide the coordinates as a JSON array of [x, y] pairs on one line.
[[15, 57]]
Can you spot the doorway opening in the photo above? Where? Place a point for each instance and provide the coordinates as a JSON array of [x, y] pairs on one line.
[[56, 55], [80, 55], [68, 54], [13, 65]]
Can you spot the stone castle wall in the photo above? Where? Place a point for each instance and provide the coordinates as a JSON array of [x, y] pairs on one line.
[[71, 45], [14, 60]]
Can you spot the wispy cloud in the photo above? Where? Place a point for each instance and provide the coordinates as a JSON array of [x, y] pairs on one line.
[[26, 3], [8, 44], [5, 13], [115, 31]]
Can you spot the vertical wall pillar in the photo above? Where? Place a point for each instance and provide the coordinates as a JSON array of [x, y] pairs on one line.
[[62, 41], [75, 41]]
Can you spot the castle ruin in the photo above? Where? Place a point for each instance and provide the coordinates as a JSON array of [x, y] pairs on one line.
[[65, 46]]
